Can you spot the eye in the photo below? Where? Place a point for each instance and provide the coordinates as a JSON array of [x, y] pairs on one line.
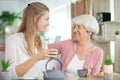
[[74, 26], [47, 19], [79, 26], [88, 31]]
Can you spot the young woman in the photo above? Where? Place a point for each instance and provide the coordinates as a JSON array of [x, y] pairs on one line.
[[25, 49]]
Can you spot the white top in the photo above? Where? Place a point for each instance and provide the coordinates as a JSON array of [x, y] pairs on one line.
[[15, 51], [73, 66]]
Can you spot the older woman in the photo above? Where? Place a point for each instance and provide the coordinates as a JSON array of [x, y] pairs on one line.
[[80, 52]]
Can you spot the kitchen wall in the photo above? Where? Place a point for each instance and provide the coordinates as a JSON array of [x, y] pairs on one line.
[[117, 11], [103, 6], [10, 5]]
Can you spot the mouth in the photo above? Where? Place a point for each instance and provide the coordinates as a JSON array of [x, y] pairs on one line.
[[45, 26], [76, 34]]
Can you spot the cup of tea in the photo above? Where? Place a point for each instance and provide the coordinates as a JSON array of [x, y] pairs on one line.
[[82, 73]]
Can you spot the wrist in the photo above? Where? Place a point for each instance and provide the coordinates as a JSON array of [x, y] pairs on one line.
[[35, 57]]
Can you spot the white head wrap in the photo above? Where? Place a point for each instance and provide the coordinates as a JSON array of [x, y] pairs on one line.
[[89, 22]]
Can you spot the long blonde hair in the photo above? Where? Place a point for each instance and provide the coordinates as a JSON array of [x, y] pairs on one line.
[[29, 27]]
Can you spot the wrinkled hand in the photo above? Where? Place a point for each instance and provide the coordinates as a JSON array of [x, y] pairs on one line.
[[47, 54], [89, 71]]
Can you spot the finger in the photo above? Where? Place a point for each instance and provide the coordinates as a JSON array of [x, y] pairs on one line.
[[52, 53], [52, 50], [49, 56], [45, 56]]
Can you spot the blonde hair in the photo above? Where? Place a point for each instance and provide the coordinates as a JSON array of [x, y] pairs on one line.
[[29, 27]]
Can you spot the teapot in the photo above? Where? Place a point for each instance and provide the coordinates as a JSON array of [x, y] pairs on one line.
[[53, 74]]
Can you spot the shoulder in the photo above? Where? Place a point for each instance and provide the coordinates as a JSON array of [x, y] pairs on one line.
[[63, 44], [98, 50], [68, 41], [16, 36]]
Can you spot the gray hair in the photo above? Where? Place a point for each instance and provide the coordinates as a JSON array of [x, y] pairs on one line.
[[89, 22]]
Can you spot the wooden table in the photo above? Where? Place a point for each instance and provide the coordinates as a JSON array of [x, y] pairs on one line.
[[116, 77]]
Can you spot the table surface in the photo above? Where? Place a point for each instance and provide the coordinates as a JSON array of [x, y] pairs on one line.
[[93, 78], [115, 77]]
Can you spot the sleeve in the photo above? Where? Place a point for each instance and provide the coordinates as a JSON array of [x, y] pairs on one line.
[[10, 54], [99, 60], [56, 45]]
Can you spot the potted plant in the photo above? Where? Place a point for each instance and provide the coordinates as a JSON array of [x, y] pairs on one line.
[[117, 32], [117, 35], [7, 18], [108, 65], [5, 73]]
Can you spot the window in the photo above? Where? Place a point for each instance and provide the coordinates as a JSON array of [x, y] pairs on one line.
[[60, 23]]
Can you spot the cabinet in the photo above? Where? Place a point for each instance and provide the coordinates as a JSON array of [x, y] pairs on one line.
[[107, 30], [117, 57], [105, 37]]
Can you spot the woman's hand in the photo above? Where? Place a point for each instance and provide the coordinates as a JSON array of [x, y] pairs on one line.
[[47, 54], [89, 71]]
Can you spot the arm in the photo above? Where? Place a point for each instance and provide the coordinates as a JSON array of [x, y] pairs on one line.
[[23, 68], [28, 64], [11, 54], [97, 67], [56, 45]]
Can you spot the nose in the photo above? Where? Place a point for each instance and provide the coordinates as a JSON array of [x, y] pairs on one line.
[[75, 29]]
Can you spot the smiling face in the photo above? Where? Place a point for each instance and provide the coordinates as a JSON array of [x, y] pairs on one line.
[[43, 22], [80, 33]]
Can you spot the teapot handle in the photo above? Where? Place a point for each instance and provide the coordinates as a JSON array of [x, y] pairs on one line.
[[51, 60]]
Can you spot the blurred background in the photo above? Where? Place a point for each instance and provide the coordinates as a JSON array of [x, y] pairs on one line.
[[61, 12]]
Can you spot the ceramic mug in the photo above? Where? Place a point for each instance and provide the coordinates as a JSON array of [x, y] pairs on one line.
[[82, 73]]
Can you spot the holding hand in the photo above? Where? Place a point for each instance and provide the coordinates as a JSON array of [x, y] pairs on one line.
[[47, 54]]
